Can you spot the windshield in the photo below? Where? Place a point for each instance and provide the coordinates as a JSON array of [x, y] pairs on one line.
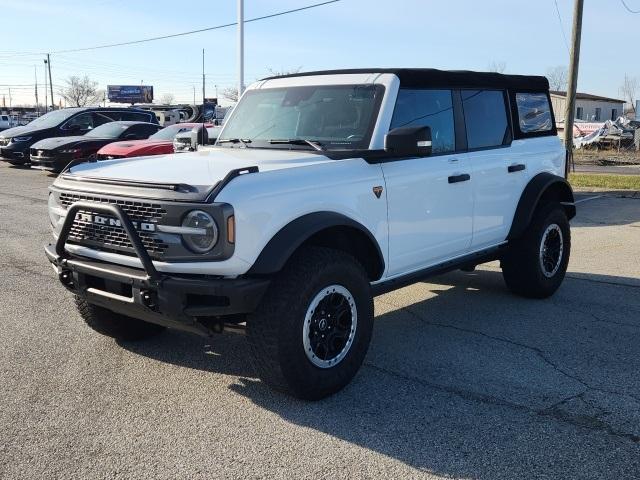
[[168, 133], [108, 130], [335, 116], [52, 119]]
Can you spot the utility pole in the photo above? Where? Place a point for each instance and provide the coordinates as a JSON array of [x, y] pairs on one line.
[[194, 94], [46, 104], [203, 97], [35, 74], [9, 99], [240, 47], [572, 85], [50, 82]]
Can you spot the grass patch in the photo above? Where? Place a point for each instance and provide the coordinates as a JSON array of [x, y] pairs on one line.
[[613, 182]]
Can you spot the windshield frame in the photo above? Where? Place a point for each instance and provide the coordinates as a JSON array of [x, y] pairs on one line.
[[329, 146]]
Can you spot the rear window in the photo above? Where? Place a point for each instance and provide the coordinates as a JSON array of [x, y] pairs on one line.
[[534, 112], [485, 116]]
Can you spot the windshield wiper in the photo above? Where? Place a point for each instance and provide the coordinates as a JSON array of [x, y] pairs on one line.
[[298, 141], [243, 141]]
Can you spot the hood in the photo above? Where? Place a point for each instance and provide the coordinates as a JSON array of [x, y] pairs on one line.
[[202, 168], [56, 142], [23, 131], [129, 147]]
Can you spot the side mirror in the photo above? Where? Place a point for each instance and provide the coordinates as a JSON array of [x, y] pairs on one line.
[[408, 142]]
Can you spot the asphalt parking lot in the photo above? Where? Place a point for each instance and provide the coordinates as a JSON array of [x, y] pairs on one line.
[[462, 379]]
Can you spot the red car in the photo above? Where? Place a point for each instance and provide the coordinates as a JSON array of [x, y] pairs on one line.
[[157, 144]]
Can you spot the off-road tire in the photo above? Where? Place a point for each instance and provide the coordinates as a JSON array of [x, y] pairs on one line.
[[275, 330], [114, 324], [521, 266]]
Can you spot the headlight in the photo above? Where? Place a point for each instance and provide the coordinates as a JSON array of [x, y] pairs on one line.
[[21, 139], [56, 212], [205, 231]]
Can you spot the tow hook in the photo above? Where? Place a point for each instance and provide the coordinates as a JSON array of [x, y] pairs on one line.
[[149, 299], [66, 278]]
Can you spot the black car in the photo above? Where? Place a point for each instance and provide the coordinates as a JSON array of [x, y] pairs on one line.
[[54, 154], [16, 142]]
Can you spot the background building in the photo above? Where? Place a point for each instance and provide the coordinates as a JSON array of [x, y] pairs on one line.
[[590, 108]]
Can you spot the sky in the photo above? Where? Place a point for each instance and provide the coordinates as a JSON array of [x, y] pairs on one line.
[[524, 36]]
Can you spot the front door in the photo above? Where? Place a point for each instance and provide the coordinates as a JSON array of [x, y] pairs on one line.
[[430, 199]]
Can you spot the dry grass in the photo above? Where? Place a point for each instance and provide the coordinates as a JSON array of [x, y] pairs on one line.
[[613, 182]]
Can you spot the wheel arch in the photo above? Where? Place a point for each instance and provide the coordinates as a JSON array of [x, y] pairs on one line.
[[543, 188], [327, 229]]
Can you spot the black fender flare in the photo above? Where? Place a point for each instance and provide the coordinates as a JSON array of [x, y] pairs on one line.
[[543, 184], [284, 243]]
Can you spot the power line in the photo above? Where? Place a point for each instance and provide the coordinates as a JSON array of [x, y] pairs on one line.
[[628, 8], [564, 35], [191, 32]]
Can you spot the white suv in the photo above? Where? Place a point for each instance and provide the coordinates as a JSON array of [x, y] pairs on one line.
[[324, 190]]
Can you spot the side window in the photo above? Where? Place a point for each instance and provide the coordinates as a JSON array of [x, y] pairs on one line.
[[432, 108], [144, 131], [485, 116], [136, 116], [100, 118], [83, 122], [534, 112]]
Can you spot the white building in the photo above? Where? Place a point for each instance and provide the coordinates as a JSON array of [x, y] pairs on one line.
[[590, 108]]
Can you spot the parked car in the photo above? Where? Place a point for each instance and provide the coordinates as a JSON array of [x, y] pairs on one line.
[[53, 154], [324, 190], [5, 122], [16, 142], [189, 141], [157, 144]]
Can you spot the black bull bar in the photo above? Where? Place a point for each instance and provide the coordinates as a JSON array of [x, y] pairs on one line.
[[186, 302]]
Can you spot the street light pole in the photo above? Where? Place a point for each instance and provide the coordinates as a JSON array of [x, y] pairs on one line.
[[574, 62], [240, 47]]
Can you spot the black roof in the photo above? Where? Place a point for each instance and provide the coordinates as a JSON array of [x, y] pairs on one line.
[[431, 77]]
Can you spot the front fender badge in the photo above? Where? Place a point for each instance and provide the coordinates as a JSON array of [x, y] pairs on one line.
[[377, 191]]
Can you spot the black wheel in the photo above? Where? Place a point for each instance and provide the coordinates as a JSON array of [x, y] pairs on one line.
[[114, 324], [536, 263], [312, 330]]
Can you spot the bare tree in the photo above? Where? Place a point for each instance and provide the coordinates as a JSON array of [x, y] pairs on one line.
[[558, 77], [81, 92], [283, 71], [230, 93], [167, 98], [497, 67], [629, 90]]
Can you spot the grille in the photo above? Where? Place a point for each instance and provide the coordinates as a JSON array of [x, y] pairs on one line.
[[138, 211], [111, 237]]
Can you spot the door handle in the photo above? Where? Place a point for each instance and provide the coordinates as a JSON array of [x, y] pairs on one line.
[[518, 167], [459, 178]]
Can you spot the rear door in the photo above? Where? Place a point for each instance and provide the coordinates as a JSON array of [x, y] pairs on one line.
[[430, 199], [497, 178]]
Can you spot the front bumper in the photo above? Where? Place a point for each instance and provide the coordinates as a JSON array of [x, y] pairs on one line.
[[51, 164], [14, 156], [195, 303]]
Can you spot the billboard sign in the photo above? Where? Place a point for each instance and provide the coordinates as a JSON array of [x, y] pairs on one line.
[[130, 93]]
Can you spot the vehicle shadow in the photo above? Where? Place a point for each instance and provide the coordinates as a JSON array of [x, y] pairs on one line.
[[465, 380]]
